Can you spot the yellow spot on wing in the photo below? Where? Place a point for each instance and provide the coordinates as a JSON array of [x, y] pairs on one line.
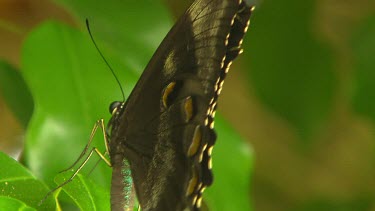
[[166, 93], [195, 143]]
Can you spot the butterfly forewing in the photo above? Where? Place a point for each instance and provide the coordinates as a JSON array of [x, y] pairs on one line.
[[165, 128]]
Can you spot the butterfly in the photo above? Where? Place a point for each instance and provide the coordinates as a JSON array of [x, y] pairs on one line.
[[162, 135]]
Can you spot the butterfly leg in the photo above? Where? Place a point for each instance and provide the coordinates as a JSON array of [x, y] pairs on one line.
[[99, 123], [74, 174]]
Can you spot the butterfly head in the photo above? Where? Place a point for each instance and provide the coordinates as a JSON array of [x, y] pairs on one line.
[[115, 106]]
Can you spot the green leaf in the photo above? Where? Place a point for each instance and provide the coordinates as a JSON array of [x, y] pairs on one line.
[[16, 93], [7, 203], [131, 29], [290, 70], [18, 183], [363, 45], [232, 165], [84, 192]]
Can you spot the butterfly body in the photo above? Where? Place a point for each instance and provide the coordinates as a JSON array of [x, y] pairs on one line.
[[164, 132]]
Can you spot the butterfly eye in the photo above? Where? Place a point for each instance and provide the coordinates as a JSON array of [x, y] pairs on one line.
[[113, 106]]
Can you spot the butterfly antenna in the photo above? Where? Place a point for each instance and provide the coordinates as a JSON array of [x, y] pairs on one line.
[[97, 48]]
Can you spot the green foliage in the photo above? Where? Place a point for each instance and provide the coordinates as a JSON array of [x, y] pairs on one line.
[[86, 194], [363, 44], [291, 72], [11, 82], [324, 205], [7, 203], [19, 188], [231, 168]]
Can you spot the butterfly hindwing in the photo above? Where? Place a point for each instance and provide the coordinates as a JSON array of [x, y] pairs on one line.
[[165, 129]]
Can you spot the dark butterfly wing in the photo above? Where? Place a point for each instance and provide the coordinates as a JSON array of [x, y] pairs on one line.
[[165, 129]]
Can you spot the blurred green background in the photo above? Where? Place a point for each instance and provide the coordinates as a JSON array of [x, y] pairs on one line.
[[302, 94]]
